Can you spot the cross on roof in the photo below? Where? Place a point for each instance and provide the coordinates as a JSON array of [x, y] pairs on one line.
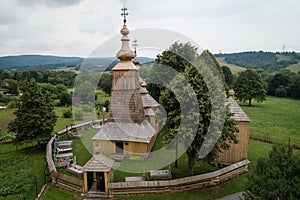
[[124, 13], [135, 44]]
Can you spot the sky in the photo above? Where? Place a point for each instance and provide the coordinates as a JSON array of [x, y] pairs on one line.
[[78, 27]]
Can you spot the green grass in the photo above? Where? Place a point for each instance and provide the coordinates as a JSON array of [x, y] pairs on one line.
[[56, 194], [6, 115], [295, 67], [201, 194], [234, 68], [22, 169], [276, 119]]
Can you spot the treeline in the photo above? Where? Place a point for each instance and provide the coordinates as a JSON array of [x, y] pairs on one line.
[[262, 60], [66, 78], [283, 83], [52, 82]]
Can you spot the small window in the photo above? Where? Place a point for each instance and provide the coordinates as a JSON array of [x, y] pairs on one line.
[[126, 143]]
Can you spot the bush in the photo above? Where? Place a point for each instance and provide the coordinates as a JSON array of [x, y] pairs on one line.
[[78, 114], [281, 92], [87, 108], [67, 113]]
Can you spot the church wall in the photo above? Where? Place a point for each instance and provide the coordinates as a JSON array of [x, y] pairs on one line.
[[105, 147], [135, 148], [239, 151], [151, 143], [125, 80]]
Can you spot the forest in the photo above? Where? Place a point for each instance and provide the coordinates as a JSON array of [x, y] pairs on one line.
[[268, 61]]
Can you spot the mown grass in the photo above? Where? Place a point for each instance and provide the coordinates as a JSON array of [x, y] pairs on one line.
[[234, 68], [276, 119], [294, 67], [56, 194]]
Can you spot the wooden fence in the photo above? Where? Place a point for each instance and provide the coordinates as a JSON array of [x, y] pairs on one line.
[[142, 187], [61, 180], [178, 185]]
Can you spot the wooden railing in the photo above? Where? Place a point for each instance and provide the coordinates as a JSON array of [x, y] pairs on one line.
[[178, 185], [61, 180]]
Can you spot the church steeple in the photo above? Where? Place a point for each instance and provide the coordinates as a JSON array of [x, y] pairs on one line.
[[125, 54], [126, 103]]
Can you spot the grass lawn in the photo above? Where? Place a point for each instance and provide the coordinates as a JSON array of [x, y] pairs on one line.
[[276, 119], [56, 194]]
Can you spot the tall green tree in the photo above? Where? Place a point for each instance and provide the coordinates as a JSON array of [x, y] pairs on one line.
[[35, 117], [173, 107], [105, 82], [228, 76], [276, 177], [249, 85]]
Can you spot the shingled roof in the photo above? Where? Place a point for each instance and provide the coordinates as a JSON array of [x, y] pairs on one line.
[[99, 163], [236, 110], [147, 100], [132, 132]]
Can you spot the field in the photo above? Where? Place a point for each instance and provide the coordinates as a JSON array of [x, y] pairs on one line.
[[234, 68], [22, 174], [275, 120], [295, 67]]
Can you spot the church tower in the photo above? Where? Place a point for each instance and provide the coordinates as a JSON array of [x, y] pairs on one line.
[[126, 103], [129, 131]]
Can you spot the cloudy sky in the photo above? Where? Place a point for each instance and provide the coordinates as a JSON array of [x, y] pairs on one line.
[[77, 27]]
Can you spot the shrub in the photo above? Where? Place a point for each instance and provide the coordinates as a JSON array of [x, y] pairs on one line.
[[78, 114], [67, 113], [87, 108]]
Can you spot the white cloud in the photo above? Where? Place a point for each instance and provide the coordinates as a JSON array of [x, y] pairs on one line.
[[77, 27]]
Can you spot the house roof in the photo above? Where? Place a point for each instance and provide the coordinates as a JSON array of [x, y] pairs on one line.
[[236, 110], [120, 131], [99, 163]]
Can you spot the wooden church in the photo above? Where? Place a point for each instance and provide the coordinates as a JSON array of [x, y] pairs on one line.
[[130, 128]]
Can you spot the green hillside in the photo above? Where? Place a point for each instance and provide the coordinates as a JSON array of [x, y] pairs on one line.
[[234, 68], [35, 62], [268, 61], [25, 62]]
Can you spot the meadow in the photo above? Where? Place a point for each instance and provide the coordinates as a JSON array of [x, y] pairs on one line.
[[275, 120]]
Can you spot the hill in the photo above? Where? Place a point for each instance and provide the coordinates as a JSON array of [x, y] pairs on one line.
[[28, 62], [268, 61], [234, 68], [24, 62]]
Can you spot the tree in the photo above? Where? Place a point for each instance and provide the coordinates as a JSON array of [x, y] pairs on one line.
[[105, 82], [228, 76], [249, 85], [295, 87], [85, 91], [65, 98], [203, 115], [35, 117], [12, 86], [276, 177]]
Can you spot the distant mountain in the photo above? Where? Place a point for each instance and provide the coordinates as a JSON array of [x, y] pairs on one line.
[[268, 61], [27, 62], [24, 62]]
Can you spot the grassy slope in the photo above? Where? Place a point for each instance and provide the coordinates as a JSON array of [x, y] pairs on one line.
[[234, 68], [276, 118], [295, 67]]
